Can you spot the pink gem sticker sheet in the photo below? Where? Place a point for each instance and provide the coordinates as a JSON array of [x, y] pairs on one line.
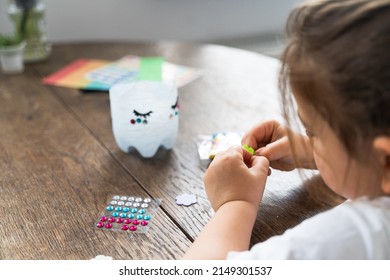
[[131, 214]]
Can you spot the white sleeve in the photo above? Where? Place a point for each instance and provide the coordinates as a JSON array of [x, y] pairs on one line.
[[349, 231]]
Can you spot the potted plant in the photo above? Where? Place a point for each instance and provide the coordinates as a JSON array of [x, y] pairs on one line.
[[28, 18], [29, 40], [11, 53]]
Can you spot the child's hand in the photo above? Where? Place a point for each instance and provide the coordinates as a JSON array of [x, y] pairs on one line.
[[270, 139], [236, 175]]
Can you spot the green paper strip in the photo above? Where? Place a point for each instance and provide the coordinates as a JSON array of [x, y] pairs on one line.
[[151, 69]]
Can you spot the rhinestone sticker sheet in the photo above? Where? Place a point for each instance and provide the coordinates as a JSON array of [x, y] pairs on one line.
[[209, 146], [132, 214]]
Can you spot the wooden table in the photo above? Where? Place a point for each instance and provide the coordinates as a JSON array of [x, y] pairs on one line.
[[59, 162]]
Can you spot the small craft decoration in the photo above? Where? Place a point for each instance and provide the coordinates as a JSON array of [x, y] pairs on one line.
[[186, 199], [249, 149], [103, 258]]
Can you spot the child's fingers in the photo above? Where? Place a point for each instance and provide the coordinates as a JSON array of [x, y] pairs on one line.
[[275, 150], [236, 155], [250, 140], [260, 166], [233, 155], [247, 156], [260, 134], [248, 159], [233, 151]]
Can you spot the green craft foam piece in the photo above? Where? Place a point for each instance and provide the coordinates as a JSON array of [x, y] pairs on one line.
[[151, 69], [249, 149]]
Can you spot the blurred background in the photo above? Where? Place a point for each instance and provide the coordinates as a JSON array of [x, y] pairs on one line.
[[255, 25]]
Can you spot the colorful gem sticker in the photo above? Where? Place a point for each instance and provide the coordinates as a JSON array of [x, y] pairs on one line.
[[186, 199], [118, 216]]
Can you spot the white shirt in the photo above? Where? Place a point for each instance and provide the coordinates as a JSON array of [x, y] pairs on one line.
[[358, 229]]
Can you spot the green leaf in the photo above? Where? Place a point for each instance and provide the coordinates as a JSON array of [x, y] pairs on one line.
[[9, 40]]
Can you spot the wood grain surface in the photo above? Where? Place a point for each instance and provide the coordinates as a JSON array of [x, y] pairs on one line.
[[59, 162]]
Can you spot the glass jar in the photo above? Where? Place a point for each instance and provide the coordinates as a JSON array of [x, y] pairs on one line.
[[38, 47]]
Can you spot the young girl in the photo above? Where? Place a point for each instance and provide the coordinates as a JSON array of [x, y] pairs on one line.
[[337, 65]]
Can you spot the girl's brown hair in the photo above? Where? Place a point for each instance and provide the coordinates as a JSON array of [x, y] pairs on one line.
[[338, 61]]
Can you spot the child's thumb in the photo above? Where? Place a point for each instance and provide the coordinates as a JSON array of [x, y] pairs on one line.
[[260, 166]]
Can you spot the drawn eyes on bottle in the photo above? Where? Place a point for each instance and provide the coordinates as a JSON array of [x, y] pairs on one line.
[[140, 117], [137, 114], [175, 107]]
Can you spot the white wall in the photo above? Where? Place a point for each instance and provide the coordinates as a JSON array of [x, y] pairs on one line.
[[187, 20]]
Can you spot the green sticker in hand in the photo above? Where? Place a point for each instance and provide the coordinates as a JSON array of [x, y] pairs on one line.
[[249, 149]]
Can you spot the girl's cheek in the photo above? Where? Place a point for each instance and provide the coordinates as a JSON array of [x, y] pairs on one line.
[[318, 154], [324, 170]]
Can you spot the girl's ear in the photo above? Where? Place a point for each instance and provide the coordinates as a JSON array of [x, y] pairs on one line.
[[382, 147]]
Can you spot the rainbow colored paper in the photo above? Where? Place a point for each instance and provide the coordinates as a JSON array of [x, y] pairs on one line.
[[100, 75]]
